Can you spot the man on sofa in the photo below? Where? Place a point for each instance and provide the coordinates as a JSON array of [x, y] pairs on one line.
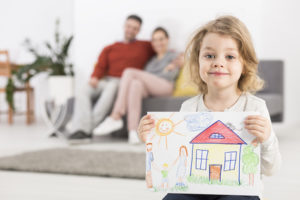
[[104, 80]]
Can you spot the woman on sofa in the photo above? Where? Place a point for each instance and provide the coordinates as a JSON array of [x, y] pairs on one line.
[[156, 80]]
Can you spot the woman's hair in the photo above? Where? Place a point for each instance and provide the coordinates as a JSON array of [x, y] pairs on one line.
[[233, 27], [183, 147], [162, 30]]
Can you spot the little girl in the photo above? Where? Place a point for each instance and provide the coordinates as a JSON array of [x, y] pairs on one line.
[[223, 64]]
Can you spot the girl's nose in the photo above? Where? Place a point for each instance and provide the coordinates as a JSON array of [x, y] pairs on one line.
[[218, 63]]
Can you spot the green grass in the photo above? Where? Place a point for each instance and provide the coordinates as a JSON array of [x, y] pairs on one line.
[[173, 189], [180, 188], [159, 189], [198, 180], [204, 180]]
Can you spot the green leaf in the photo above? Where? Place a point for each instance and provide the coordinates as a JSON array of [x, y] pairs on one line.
[[57, 35], [66, 45], [9, 90], [48, 45]]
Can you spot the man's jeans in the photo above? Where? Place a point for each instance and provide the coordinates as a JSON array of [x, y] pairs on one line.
[[86, 115]]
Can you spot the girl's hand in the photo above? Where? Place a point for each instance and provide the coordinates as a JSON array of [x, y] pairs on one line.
[[258, 126], [145, 126]]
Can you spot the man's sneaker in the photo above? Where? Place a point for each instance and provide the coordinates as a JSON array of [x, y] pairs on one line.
[[108, 126], [79, 137], [133, 137]]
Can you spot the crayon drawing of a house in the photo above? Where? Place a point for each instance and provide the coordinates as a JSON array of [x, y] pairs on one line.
[[216, 154]]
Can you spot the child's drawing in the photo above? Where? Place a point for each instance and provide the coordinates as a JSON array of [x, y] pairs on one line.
[[211, 152], [250, 160], [164, 127], [149, 160], [182, 166], [198, 121], [216, 154], [233, 127], [164, 171]]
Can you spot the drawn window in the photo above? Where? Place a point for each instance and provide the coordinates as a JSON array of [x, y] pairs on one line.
[[230, 160], [216, 136], [201, 159]]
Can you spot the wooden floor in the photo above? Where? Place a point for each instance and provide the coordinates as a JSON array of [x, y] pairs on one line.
[[34, 186]]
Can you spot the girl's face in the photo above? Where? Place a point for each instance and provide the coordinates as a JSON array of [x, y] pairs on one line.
[[160, 42], [220, 62]]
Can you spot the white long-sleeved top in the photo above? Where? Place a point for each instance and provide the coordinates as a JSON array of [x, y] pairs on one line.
[[270, 155]]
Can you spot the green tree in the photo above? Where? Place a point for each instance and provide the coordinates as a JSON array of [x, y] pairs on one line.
[[250, 162]]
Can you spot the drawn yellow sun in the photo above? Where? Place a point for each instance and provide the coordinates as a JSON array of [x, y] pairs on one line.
[[164, 127]]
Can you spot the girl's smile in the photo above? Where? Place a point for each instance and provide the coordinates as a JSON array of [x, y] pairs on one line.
[[218, 73]]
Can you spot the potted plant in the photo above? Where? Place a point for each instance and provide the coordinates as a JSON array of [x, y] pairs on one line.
[[54, 62]]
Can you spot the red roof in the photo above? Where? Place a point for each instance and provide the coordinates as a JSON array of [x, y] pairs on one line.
[[227, 136]]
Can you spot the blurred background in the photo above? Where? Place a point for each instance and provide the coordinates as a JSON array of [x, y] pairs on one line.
[[97, 23]]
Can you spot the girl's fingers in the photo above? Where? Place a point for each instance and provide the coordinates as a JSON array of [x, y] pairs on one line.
[[148, 116], [253, 116], [144, 134], [147, 121], [256, 117], [147, 128], [258, 126], [255, 127], [256, 122], [255, 133], [145, 117]]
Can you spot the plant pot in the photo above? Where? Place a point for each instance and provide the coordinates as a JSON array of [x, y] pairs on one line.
[[61, 88]]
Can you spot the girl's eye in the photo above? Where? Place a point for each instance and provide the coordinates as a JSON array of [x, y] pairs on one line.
[[209, 56], [230, 57]]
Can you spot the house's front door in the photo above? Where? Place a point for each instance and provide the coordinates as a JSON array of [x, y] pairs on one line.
[[215, 172]]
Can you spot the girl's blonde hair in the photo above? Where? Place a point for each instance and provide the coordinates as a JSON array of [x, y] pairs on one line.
[[231, 26]]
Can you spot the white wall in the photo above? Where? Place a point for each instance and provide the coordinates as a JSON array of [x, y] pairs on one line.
[[33, 19]]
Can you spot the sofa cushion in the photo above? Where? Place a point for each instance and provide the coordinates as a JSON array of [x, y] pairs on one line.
[[162, 104], [274, 102], [183, 85]]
